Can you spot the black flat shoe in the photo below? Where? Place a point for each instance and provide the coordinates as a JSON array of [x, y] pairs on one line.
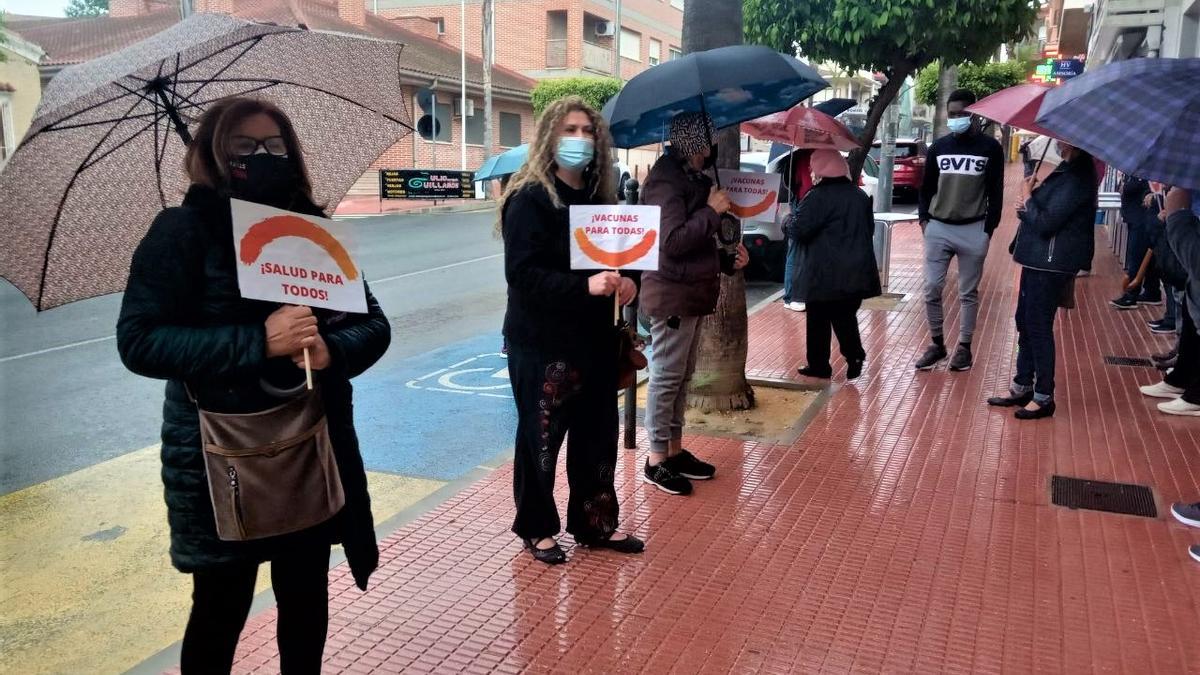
[[551, 556], [1043, 410], [630, 544], [854, 369], [1011, 401], [809, 371]]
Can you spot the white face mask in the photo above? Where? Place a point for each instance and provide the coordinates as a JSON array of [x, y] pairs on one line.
[[959, 125]]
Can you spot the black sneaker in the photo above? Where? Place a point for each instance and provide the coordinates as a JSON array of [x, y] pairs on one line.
[[1159, 358], [962, 360], [1163, 328], [932, 356], [1150, 299], [1127, 301], [1188, 514], [687, 465], [665, 479]]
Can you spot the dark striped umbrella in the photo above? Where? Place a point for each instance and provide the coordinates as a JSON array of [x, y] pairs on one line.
[[1142, 116]]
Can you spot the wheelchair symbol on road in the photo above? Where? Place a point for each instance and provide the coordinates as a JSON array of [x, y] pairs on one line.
[[457, 379]]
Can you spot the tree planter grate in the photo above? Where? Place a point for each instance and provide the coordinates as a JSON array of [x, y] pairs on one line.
[[1128, 361], [1094, 495]]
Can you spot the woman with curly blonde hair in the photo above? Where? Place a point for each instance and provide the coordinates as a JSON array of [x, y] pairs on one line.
[[562, 348]]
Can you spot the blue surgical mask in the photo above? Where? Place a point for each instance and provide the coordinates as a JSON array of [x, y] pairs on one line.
[[574, 152], [959, 125]]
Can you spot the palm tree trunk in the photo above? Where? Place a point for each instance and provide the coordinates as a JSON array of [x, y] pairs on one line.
[[720, 379]]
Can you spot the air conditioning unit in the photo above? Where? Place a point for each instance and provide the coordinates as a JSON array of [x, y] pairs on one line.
[[605, 29], [458, 111]]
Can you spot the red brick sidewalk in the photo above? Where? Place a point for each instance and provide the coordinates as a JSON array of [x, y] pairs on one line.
[[908, 530]]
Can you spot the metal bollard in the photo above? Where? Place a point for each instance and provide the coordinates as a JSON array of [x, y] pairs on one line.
[[632, 188]]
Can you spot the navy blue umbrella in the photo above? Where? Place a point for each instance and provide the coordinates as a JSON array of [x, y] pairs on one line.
[[1142, 116], [732, 84]]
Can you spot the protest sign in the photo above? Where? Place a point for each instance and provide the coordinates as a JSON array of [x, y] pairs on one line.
[[614, 237], [296, 259], [754, 195]]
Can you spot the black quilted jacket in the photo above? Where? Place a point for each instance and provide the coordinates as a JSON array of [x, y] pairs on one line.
[[183, 320]]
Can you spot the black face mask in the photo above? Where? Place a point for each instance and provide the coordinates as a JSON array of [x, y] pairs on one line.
[[711, 160], [263, 179]]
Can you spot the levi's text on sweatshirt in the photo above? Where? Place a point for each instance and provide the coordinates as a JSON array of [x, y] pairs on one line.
[[964, 181]]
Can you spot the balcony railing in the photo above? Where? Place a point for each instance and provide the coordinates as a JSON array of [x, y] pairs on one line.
[[597, 58], [556, 53]]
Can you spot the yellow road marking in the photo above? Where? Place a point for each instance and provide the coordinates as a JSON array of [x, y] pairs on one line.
[[86, 584]]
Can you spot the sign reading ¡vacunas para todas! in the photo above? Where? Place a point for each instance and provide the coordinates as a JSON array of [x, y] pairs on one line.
[[423, 184], [614, 237], [296, 259], [753, 195]]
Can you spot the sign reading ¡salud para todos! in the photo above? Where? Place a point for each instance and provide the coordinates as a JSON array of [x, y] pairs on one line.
[[614, 237], [296, 259]]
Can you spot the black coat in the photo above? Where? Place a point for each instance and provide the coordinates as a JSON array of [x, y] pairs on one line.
[[833, 227], [1058, 223], [549, 306], [183, 320]]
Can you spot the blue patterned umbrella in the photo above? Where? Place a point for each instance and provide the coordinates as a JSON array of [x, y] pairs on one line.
[[503, 164], [1142, 116], [732, 84]]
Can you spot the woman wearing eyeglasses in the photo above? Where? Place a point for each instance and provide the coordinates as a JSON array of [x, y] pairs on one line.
[[184, 321]]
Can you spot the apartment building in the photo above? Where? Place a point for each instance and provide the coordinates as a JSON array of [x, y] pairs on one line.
[[553, 38], [1123, 29]]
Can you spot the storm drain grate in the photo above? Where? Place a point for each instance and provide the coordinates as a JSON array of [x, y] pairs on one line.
[[1128, 361], [1095, 495]]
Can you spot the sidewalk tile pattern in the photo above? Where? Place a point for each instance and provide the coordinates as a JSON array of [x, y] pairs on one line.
[[907, 530]]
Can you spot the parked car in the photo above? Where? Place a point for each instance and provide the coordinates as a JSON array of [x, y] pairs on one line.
[[909, 170], [764, 239]]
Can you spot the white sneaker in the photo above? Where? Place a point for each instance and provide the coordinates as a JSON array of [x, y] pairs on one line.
[[795, 306], [1180, 407], [1162, 390]]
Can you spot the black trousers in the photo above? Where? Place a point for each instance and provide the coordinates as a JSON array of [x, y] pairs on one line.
[[573, 397], [1186, 373], [1040, 294], [838, 317], [221, 600]]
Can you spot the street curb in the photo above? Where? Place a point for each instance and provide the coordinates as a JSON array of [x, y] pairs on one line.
[[482, 205]]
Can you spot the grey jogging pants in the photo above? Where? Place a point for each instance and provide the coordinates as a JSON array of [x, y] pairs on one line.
[[942, 243], [672, 362]]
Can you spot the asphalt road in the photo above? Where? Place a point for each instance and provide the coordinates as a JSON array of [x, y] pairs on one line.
[[66, 402]]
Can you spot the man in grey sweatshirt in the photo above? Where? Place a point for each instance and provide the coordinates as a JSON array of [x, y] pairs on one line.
[[961, 200]]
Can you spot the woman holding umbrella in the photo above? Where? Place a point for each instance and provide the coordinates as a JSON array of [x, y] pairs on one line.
[[562, 349], [1054, 242], [183, 320]]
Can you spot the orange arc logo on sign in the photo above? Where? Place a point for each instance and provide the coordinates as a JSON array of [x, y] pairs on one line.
[[266, 231], [616, 259], [765, 203]]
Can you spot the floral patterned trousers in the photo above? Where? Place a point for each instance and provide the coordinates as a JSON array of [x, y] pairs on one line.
[[556, 395]]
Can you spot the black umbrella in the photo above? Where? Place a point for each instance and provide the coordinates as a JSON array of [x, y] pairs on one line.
[[732, 84], [836, 106]]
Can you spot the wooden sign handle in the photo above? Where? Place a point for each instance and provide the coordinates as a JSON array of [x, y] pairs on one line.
[[307, 370]]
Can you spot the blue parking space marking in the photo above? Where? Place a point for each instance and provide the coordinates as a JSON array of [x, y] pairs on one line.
[[437, 415]]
